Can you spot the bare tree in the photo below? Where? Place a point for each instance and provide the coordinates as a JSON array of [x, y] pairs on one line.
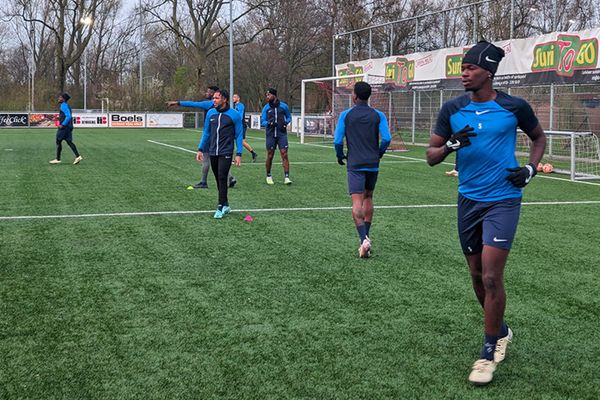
[[199, 27]]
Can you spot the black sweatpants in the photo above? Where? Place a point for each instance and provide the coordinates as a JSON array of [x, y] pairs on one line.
[[67, 135], [220, 166]]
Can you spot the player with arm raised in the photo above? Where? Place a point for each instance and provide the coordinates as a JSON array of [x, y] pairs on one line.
[[223, 130], [205, 105], [481, 126], [367, 135], [275, 118]]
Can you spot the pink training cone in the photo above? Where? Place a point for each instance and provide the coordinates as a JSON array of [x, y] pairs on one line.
[[248, 218]]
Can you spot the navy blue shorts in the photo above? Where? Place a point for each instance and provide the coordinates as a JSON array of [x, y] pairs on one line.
[[64, 134], [280, 141], [490, 223], [361, 181]]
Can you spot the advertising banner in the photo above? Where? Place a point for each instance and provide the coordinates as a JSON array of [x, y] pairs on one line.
[[43, 120], [254, 121], [90, 120], [127, 120], [20, 119], [170, 120], [562, 58]]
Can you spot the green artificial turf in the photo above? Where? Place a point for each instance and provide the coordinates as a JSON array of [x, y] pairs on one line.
[[179, 305]]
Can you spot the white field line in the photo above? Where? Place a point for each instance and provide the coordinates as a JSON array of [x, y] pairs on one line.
[[446, 163], [267, 210], [277, 163]]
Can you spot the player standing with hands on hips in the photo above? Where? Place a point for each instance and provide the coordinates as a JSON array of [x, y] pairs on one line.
[[481, 125], [223, 130], [275, 118], [363, 127]]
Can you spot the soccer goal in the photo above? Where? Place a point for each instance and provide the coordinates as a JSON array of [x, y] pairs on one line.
[[324, 99], [574, 153]]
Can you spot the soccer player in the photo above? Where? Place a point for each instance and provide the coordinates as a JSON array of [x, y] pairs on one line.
[[241, 108], [205, 105], [275, 118], [222, 128], [481, 126], [367, 136], [65, 129]]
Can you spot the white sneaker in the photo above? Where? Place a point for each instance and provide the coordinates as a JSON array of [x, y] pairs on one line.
[[270, 180], [55, 161], [77, 160], [364, 251], [483, 372], [501, 347], [287, 181]]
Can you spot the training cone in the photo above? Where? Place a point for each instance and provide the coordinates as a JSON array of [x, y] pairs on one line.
[[190, 188], [248, 218]]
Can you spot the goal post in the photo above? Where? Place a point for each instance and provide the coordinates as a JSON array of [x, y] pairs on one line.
[[576, 154], [324, 99]]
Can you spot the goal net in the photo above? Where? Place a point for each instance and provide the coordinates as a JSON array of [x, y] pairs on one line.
[[324, 99], [574, 153]]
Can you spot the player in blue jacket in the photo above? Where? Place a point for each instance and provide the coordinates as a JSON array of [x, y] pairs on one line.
[[275, 118], [223, 130], [482, 127], [65, 130], [368, 136], [241, 108], [205, 105]]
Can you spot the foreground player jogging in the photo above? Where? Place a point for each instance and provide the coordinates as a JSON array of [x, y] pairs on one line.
[[222, 128], [362, 126], [481, 126], [65, 130], [275, 117]]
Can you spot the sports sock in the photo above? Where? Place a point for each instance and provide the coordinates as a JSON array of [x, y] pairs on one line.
[[287, 174], [368, 226], [253, 153], [362, 232], [268, 174], [220, 207], [503, 330], [489, 346]]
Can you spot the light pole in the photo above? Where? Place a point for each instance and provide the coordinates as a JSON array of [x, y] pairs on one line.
[[87, 21], [231, 47]]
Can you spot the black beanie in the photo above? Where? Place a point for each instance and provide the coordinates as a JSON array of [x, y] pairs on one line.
[[484, 55], [273, 91], [65, 96]]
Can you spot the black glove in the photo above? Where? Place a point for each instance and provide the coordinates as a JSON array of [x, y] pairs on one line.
[[460, 139], [270, 124], [283, 129], [521, 176], [341, 160]]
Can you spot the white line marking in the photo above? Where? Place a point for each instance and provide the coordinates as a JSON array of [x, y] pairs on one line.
[[276, 163], [265, 210], [173, 147], [413, 159]]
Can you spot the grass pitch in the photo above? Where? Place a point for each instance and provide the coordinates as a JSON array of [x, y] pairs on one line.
[[159, 301]]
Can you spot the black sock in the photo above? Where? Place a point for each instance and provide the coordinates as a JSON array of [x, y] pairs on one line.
[[489, 347], [368, 226], [362, 232], [287, 174]]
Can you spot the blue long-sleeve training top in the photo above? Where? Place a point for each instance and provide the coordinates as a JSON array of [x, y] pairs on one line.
[[363, 127], [241, 108], [65, 118], [204, 104], [222, 128], [275, 117]]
